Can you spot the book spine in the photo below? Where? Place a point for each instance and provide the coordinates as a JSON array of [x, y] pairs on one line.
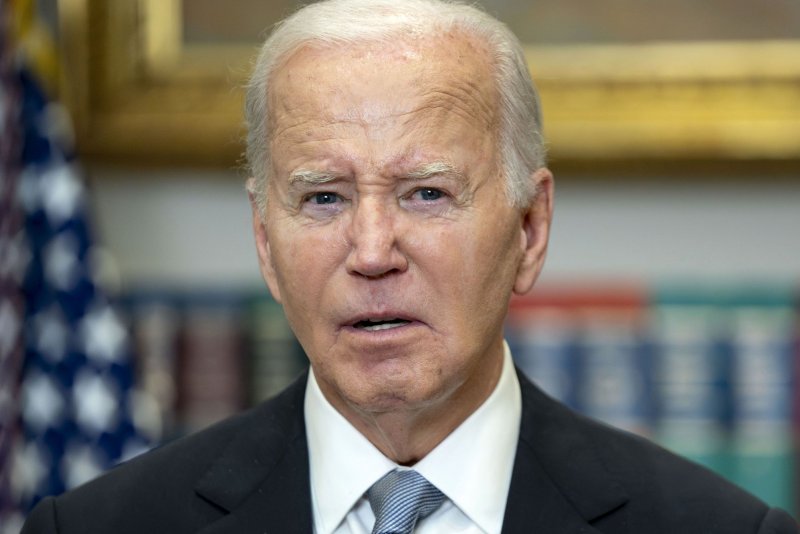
[[276, 357], [762, 386], [690, 376], [585, 347], [210, 381], [613, 384], [543, 344]]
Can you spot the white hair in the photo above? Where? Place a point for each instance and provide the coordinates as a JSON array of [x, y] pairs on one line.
[[345, 22]]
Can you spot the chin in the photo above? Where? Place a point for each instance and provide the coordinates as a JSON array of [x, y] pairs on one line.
[[380, 385], [397, 394]]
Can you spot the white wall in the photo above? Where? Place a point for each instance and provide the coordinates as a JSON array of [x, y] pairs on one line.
[[667, 230], [176, 228], [192, 228]]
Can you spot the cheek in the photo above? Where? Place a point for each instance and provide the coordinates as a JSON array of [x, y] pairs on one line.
[[490, 258], [305, 263], [287, 256], [453, 264], [444, 259], [428, 241], [303, 277]]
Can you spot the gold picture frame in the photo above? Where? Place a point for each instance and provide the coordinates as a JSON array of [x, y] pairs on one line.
[[139, 95]]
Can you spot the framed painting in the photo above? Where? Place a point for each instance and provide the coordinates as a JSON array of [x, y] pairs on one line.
[[622, 81]]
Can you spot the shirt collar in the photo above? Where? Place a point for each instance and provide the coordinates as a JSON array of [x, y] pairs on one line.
[[342, 462], [472, 466]]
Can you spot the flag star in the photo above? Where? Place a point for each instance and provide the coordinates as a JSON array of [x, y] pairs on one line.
[[96, 403], [80, 464], [9, 327], [51, 334], [104, 336], [29, 469], [61, 261], [15, 255], [28, 192], [42, 402], [61, 193]]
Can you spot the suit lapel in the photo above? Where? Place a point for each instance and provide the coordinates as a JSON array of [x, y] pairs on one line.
[[261, 479], [536, 505], [558, 484]]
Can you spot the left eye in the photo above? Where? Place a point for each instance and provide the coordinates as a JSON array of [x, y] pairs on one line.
[[324, 198], [429, 194]]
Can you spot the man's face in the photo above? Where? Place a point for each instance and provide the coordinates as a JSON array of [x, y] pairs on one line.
[[388, 237]]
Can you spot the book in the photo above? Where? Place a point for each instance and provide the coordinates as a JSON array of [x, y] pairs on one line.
[[585, 346], [211, 381], [762, 334], [275, 356], [691, 381]]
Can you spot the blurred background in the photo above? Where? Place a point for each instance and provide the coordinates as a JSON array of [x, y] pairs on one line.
[[132, 310]]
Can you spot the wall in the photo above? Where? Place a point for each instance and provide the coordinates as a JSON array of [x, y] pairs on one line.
[[192, 228]]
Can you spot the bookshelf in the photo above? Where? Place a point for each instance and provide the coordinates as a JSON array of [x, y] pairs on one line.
[[710, 373]]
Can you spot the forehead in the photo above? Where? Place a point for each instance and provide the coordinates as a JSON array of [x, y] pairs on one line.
[[428, 77]]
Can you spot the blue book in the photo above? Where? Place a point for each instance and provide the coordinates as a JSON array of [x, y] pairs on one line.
[[690, 381], [543, 342], [585, 347], [613, 372], [762, 385]]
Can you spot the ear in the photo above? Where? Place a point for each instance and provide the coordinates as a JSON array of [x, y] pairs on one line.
[[262, 243], [535, 232]]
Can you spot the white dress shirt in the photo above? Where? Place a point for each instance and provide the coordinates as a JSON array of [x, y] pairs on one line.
[[472, 466]]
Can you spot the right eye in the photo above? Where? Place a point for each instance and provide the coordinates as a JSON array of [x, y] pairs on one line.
[[323, 198]]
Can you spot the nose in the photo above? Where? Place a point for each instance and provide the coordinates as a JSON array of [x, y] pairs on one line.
[[373, 240]]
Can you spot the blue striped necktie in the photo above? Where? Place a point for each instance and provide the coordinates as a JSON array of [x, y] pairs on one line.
[[400, 499]]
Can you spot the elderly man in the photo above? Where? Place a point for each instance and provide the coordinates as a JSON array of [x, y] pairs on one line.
[[399, 199]]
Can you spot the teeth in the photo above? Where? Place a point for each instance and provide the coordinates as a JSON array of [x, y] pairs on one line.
[[382, 326], [374, 324]]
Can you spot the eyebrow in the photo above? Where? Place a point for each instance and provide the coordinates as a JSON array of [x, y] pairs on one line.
[[309, 177], [427, 170], [432, 169]]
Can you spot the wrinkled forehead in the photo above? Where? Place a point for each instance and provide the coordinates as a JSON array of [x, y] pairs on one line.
[[449, 70]]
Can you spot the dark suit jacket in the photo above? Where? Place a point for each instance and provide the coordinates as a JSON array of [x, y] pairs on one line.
[[249, 474]]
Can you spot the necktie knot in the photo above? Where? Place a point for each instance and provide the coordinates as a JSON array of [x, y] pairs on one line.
[[400, 499]]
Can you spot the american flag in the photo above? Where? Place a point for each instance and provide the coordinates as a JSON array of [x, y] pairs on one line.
[[67, 397]]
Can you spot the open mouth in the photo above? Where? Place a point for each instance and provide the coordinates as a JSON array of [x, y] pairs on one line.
[[380, 324]]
